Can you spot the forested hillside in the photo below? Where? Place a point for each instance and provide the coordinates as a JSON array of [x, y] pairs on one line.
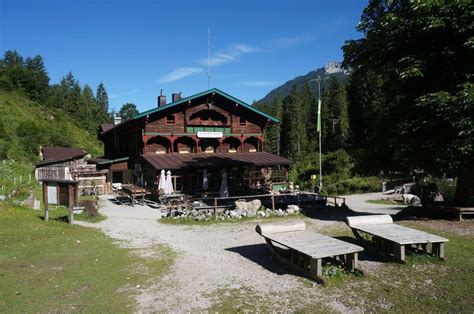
[[35, 113]]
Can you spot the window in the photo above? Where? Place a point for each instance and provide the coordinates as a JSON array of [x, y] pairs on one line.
[[117, 177], [178, 183], [170, 119], [242, 121]]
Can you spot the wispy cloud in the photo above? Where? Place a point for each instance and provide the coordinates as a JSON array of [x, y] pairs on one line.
[[179, 73], [231, 54], [260, 83], [292, 41], [127, 93]]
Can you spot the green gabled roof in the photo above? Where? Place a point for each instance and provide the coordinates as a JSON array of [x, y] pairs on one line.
[[212, 90]]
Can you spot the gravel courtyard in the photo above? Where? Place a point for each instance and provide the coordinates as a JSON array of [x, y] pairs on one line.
[[213, 258]]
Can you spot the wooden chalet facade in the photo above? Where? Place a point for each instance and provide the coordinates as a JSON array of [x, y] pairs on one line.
[[208, 132]]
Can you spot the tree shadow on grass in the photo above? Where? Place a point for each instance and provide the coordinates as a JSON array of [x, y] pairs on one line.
[[422, 213], [331, 213], [369, 253], [61, 218]]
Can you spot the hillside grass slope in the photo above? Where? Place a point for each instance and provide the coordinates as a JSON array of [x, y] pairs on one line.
[[25, 125]]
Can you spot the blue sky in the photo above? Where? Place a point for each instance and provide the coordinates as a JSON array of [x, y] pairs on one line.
[[137, 48]]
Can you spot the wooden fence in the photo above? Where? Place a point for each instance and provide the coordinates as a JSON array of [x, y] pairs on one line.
[[220, 204]]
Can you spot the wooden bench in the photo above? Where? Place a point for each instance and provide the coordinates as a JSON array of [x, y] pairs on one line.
[[458, 211], [392, 238], [303, 250]]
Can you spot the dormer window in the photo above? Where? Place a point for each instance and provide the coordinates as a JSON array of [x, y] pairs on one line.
[[242, 121], [170, 119]]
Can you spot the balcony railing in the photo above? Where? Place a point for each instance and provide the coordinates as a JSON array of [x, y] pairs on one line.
[[195, 129]]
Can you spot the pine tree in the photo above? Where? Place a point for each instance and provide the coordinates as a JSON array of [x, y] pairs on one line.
[[127, 111], [310, 115], [278, 113], [294, 139], [70, 94], [37, 85], [103, 103], [88, 110], [334, 116]]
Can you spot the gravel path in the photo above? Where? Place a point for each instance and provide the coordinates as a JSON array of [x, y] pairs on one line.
[[357, 203], [214, 257]]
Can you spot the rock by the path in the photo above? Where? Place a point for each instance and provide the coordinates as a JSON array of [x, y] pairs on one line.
[[248, 206]]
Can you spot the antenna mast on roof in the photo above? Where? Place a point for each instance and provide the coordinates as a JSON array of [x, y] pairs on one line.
[[208, 57]]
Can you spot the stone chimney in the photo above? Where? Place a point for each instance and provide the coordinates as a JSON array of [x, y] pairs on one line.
[[117, 119], [176, 96], [161, 99]]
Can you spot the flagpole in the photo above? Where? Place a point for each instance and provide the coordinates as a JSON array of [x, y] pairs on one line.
[[319, 129]]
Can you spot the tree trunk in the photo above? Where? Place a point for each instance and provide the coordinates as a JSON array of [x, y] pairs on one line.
[[464, 195]]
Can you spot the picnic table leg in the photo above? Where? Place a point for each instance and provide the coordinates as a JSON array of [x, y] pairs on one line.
[[400, 252], [316, 268], [351, 261], [438, 249], [133, 200]]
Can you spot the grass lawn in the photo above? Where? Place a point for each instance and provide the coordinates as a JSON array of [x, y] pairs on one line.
[[386, 202], [55, 267]]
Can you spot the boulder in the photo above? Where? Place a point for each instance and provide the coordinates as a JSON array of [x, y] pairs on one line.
[[248, 206], [295, 208]]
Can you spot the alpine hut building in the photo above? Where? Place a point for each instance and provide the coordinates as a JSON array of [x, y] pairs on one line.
[[206, 135]]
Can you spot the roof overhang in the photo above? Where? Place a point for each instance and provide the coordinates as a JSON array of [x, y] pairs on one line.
[[177, 161], [105, 161]]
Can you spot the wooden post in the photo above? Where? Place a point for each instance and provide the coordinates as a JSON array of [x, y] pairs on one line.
[[215, 208], [438, 249], [316, 268], [70, 188], [351, 261], [400, 252], [45, 201], [273, 202], [76, 195]]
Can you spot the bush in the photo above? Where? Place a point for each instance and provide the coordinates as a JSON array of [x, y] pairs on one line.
[[351, 186], [90, 207], [337, 166]]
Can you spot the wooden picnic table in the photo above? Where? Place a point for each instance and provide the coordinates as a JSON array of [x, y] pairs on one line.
[[394, 238], [133, 192], [305, 250]]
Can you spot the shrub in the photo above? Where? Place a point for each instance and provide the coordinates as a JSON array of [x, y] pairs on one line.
[[90, 207], [337, 166], [351, 186]]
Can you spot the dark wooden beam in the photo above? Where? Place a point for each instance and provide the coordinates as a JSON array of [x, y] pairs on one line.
[[45, 201]]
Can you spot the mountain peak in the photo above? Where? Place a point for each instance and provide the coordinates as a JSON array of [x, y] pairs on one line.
[[331, 69], [334, 67]]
